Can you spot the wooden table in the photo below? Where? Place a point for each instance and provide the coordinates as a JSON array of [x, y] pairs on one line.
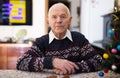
[[24, 74]]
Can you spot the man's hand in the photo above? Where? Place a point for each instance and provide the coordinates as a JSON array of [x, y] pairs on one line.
[[63, 66]]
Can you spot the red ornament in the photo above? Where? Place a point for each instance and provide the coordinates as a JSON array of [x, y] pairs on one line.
[[105, 70]]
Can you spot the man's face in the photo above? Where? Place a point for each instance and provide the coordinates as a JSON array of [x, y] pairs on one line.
[[59, 20]]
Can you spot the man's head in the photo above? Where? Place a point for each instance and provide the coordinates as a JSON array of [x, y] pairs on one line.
[[59, 18]]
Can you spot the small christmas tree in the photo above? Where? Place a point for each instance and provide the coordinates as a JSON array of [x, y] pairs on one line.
[[112, 53]]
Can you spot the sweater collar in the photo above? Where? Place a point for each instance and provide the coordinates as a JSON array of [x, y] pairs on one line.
[[52, 36]]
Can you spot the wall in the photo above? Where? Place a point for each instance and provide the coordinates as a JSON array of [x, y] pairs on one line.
[[91, 23], [75, 22], [74, 5], [38, 27], [91, 20]]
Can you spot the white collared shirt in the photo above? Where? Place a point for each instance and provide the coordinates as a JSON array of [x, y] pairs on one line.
[[52, 36]]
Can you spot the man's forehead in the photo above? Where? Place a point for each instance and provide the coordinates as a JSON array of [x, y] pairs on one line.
[[58, 11], [58, 8]]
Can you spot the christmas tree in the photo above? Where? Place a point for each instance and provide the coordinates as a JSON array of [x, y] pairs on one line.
[[111, 56]]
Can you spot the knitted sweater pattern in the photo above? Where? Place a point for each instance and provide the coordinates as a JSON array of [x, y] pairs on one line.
[[79, 51]]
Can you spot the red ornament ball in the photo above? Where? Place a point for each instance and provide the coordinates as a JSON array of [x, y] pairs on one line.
[[105, 70]]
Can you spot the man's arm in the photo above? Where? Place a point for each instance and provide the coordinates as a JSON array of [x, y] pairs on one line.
[[90, 65], [91, 61], [34, 59], [63, 66]]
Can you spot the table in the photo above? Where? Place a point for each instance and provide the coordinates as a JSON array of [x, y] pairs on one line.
[[49, 74]]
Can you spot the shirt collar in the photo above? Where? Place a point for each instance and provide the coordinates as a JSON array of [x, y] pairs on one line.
[[52, 36]]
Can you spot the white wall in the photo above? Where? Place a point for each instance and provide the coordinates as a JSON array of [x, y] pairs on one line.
[[38, 27], [75, 22], [91, 24], [74, 5], [91, 21]]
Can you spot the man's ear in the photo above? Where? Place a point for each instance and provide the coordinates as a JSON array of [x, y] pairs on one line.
[[70, 19]]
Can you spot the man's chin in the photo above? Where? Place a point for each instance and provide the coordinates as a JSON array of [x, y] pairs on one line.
[[62, 32]]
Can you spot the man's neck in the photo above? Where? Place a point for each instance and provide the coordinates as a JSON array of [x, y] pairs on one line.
[[60, 35]]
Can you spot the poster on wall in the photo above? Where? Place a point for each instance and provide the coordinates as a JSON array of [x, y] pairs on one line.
[[15, 12]]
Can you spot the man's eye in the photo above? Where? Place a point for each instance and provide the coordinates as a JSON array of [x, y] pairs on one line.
[[54, 17], [62, 16]]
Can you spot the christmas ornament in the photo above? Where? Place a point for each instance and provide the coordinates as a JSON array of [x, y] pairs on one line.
[[114, 51], [114, 67], [105, 56], [101, 74], [111, 32], [105, 70], [118, 47]]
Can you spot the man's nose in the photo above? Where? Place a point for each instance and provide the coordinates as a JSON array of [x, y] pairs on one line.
[[59, 20]]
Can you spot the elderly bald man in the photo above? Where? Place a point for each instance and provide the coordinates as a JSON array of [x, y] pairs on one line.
[[64, 51]]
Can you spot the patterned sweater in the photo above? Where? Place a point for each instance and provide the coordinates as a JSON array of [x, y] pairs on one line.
[[79, 51]]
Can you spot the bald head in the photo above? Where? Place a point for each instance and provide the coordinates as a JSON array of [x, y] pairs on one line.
[[59, 5]]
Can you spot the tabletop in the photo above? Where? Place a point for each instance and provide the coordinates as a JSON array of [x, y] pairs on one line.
[[25, 74]]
